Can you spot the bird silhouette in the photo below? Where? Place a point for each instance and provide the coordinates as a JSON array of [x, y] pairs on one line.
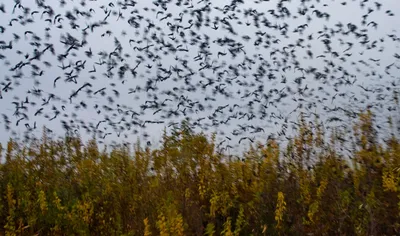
[[224, 67]]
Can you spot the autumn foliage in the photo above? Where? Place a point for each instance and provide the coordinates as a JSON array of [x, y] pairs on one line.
[[188, 187]]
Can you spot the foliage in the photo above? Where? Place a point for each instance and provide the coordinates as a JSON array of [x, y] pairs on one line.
[[188, 187]]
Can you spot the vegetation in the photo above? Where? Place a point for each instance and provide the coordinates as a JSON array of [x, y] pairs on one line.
[[187, 187]]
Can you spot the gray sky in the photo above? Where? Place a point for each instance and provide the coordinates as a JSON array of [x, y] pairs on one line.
[[370, 74]]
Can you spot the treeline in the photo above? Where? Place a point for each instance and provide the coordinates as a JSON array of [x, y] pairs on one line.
[[187, 187]]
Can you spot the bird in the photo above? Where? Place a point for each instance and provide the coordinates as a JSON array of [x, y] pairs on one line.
[[206, 63], [55, 80]]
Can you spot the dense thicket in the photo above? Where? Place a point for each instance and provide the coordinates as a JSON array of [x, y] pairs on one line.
[[186, 187]]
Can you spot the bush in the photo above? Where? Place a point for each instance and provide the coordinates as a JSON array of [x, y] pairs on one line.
[[187, 187]]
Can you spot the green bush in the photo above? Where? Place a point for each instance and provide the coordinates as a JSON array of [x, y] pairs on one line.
[[186, 187]]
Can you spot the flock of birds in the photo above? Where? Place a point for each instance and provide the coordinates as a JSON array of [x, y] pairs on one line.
[[244, 69]]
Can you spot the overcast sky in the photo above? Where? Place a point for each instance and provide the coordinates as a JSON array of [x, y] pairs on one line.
[[371, 74]]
